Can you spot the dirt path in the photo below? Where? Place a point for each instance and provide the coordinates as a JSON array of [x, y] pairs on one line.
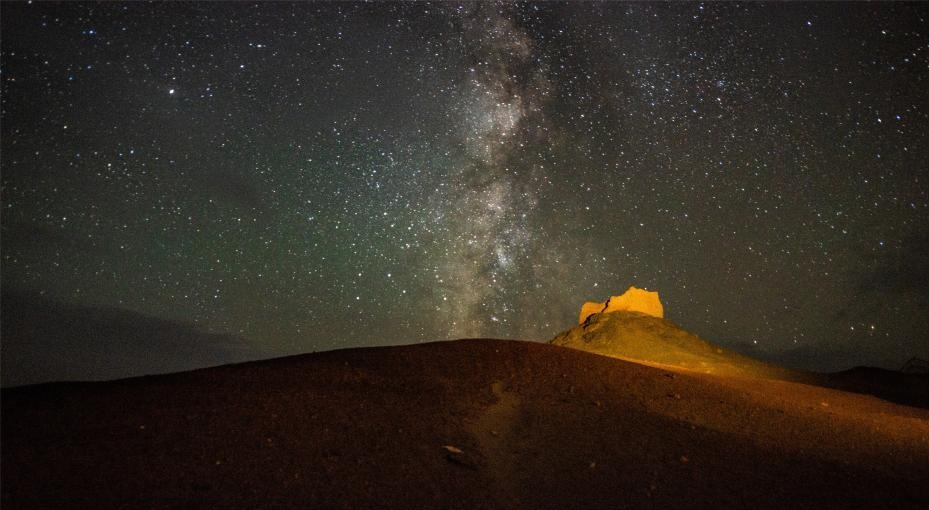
[[494, 431]]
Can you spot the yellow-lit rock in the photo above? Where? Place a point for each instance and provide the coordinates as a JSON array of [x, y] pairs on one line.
[[589, 308], [633, 300]]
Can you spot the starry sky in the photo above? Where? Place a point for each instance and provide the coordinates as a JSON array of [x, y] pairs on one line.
[[306, 177]]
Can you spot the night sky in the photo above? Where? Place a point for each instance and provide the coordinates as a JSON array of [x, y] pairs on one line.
[[308, 177]]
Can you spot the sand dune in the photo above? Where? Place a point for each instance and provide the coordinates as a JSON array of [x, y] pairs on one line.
[[465, 424]]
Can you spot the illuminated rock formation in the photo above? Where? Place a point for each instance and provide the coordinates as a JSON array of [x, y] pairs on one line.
[[633, 300], [632, 327], [589, 308]]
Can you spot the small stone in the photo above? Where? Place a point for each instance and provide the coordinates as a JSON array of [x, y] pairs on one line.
[[458, 457]]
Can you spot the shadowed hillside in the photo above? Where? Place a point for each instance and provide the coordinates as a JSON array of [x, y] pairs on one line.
[[466, 424]]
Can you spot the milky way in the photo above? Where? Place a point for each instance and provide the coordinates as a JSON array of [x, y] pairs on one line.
[[315, 176], [488, 201]]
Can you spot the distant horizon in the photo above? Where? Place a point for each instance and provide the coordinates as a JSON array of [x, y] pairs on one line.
[[59, 351]]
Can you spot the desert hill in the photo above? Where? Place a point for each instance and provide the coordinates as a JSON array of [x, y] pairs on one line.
[[631, 327], [643, 338], [464, 424]]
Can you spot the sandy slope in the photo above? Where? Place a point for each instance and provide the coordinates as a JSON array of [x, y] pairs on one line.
[[652, 340], [657, 342], [466, 424]]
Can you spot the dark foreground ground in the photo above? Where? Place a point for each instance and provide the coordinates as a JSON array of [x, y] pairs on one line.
[[466, 424]]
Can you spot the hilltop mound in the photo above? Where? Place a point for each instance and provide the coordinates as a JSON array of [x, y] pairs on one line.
[[646, 339], [466, 424]]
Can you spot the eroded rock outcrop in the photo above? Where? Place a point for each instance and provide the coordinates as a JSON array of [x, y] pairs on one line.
[[589, 308], [633, 300], [632, 327]]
